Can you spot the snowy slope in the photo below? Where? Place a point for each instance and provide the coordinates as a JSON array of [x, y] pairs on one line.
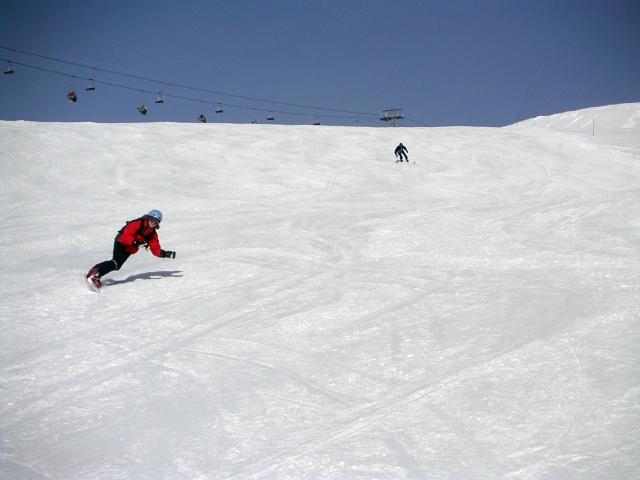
[[624, 117], [330, 314], [617, 126]]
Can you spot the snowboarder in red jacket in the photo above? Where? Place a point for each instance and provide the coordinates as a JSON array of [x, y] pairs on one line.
[[141, 231]]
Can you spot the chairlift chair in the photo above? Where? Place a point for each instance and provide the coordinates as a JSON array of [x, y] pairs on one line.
[[143, 110], [9, 70], [160, 98], [92, 86], [202, 118], [72, 96], [219, 108], [270, 116]]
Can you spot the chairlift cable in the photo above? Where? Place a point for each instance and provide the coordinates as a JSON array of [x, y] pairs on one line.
[[182, 97], [178, 85], [418, 122]]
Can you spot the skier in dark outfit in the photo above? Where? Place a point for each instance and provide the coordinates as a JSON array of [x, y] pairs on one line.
[[401, 151], [141, 231]]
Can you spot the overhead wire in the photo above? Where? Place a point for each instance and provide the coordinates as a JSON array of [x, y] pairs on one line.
[[181, 97], [417, 122], [186, 87], [351, 115]]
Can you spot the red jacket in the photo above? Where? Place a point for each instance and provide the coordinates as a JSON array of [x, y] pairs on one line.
[[139, 232]]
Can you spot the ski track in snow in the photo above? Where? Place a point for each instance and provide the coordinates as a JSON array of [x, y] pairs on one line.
[[330, 313]]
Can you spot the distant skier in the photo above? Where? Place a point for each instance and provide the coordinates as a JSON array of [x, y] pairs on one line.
[[141, 231], [401, 152]]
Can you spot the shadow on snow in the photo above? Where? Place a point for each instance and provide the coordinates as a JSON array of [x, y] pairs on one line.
[[144, 276]]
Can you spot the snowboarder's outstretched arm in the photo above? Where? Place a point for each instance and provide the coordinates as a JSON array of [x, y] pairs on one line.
[[156, 249], [154, 246]]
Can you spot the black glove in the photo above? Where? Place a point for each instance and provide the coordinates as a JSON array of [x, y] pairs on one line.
[[167, 254]]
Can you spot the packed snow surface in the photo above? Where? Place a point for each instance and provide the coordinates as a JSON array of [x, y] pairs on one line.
[[330, 314]]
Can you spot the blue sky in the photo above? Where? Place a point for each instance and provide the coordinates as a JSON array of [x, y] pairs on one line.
[[444, 62]]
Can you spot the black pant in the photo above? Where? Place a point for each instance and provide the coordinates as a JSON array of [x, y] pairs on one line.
[[120, 256], [401, 154]]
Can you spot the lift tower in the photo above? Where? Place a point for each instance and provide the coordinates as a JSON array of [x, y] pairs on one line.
[[392, 115]]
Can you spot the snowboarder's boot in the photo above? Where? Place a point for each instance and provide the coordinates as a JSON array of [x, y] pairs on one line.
[[93, 279], [95, 282], [94, 272]]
